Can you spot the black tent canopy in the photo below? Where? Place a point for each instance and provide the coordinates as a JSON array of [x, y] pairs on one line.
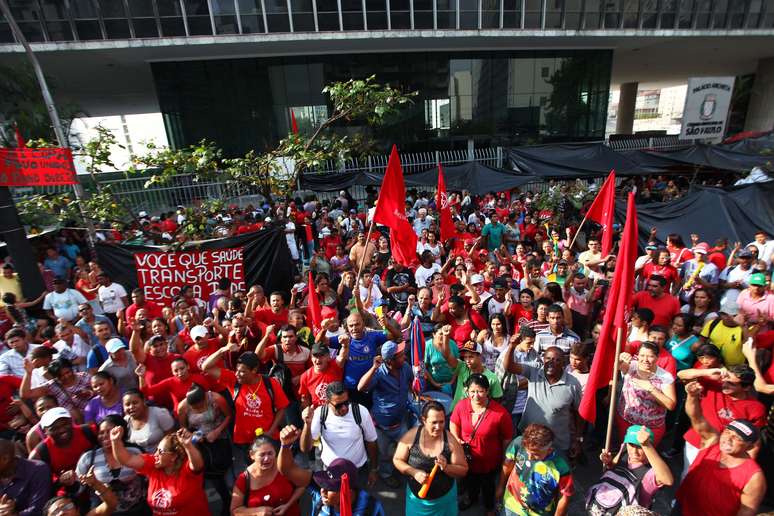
[[571, 161]]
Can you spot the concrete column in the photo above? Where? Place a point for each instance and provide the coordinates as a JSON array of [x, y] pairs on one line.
[[760, 112], [627, 100]]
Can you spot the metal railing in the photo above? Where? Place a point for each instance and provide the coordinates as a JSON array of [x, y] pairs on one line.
[[127, 20], [183, 190]]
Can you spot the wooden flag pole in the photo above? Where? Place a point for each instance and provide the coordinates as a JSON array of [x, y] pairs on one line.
[[362, 258], [572, 242], [613, 389]]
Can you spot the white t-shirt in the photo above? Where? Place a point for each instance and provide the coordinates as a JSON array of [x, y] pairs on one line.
[[342, 437], [291, 240], [110, 298], [78, 349], [422, 276], [376, 295], [149, 436], [64, 305]]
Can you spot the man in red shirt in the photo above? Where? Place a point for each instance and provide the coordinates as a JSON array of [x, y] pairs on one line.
[[727, 395], [314, 381], [152, 310], [276, 314], [203, 347], [664, 306]]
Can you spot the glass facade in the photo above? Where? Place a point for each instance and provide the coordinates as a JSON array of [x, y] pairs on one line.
[[493, 98], [87, 20]]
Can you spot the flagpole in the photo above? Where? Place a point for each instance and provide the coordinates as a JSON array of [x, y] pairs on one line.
[[362, 258], [613, 389], [572, 242]]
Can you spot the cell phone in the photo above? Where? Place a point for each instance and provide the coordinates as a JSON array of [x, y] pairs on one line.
[[603, 283]]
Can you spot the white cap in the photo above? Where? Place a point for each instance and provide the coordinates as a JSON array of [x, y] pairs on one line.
[[476, 278], [114, 344], [142, 214], [198, 332], [53, 415]]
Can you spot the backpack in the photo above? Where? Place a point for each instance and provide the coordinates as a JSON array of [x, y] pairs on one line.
[[619, 487]]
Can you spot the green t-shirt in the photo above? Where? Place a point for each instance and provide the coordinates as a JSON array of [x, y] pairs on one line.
[[436, 364], [535, 487], [494, 234], [463, 373]]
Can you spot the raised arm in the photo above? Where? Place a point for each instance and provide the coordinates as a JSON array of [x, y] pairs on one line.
[[509, 364], [285, 462], [120, 452], [136, 345], [195, 459], [260, 349], [445, 336], [25, 389], [343, 355], [108, 497], [693, 408]]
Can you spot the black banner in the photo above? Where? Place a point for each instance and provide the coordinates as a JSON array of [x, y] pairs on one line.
[[267, 259]]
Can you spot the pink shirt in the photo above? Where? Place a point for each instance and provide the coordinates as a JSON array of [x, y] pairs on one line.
[[577, 302], [750, 307]]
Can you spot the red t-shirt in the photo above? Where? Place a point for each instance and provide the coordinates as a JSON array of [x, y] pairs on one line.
[[225, 381], [169, 225], [718, 259], [667, 271], [314, 384], [156, 370], [663, 308], [8, 385], [487, 445], [176, 388], [711, 489], [152, 311], [253, 409], [196, 357], [679, 256], [275, 493], [173, 495], [297, 362], [720, 409], [267, 316], [329, 243]]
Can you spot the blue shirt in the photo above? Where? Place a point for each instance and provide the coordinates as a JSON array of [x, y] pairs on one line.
[[88, 328], [390, 395], [360, 507], [361, 355], [60, 266], [96, 357]]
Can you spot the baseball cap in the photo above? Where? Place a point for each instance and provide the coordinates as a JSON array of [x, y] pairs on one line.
[[114, 344], [476, 278], [631, 434], [744, 253], [392, 348], [758, 279], [198, 332], [472, 347], [741, 427], [729, 308], [142, 214], [702, 248], [318, 348], [53, 415], [652, 246], [330, 478]]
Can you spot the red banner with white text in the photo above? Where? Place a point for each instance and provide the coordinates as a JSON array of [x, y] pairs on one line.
[[36, 167], [161, 275]]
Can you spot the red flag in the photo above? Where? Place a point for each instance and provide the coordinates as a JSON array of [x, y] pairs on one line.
[[618, 304], [293, 123], [601, 211], [19, 138], [345, 497], [391, 211], [448, 230], [314, 312]]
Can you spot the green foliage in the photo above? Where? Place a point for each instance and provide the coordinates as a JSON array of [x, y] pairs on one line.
[[202, 161]]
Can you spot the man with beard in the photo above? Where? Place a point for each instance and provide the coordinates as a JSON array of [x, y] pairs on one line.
[[400, 285], [552, 400]]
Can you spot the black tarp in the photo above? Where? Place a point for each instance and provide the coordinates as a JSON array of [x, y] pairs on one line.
[[478, 179], [763, 144], [472, 176], [266, 261], [711, 213], [714, 157], [572, 160]]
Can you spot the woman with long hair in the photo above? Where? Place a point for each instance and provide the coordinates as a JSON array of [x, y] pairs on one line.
[[418, 453], [71, 389], [125, 483], [493, 340], [174, 473], [701, 305], [262, 487], [678, 252]]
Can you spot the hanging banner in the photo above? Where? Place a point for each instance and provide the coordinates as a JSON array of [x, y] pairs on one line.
[[36, 167], [706, 108], [161, 274]]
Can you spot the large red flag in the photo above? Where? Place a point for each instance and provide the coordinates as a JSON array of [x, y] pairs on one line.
[[618, 304], [448, 231], [345, 497], [391, 211], [313, 308], [601, 211], [293, 123]]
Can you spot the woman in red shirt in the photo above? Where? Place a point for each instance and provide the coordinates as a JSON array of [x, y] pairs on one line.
[[484, 426], [662, 267], [262, 486], [174, 471]]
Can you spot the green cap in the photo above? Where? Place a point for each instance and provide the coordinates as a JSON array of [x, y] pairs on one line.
[[631, 434], [758, 279]]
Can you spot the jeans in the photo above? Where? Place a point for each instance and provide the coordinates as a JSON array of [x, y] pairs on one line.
[[386, 441]]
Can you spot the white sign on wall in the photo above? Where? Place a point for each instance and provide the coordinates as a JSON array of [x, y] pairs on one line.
[[706, 108]]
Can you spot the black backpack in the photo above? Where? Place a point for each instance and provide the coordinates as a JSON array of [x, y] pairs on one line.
[[354, 407]]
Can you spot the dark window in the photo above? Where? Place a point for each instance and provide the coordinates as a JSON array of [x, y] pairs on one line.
[[88, 30], [112, 8], [59, 31], [169, 7], [145, 28], [141, 8], [172, 26], [117, 29]]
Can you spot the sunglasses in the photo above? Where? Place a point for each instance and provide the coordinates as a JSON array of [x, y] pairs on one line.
[[339, 406]]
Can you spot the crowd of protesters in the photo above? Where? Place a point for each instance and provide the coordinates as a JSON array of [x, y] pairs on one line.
[[111, 403]]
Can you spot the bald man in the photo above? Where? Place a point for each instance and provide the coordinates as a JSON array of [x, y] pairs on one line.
[[25, 485]]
